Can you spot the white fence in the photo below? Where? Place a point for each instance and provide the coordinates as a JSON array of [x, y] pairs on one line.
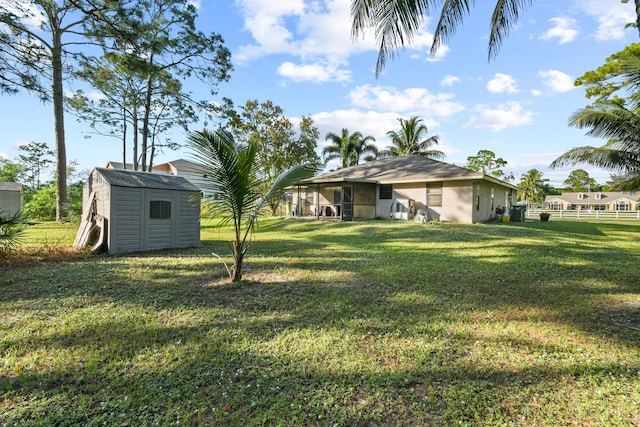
[[585, 214]]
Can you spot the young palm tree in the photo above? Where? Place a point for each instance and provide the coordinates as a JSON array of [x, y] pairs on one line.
[[348, 148], [621, 126], [395, 22], [411, 140], [234, 179]]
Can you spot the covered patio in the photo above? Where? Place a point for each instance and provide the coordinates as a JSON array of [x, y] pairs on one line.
[[331, 201]]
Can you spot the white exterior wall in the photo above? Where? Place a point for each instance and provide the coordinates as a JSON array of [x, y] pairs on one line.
[[457, 202]]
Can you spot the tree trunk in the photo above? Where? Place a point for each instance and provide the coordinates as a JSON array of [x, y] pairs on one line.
[[124, 138], [58, 112], [135, 137], [236, 270], [145, 122], [638, 15]]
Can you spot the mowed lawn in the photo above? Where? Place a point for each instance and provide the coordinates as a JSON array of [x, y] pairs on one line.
[[337, 324]]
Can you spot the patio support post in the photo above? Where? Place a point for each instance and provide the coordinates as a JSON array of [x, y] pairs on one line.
[[317, 201]]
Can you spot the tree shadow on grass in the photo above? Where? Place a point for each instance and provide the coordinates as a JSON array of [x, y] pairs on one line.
[[405, 335]]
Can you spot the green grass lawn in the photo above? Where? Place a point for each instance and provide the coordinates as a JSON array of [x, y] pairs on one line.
[[338, 324]]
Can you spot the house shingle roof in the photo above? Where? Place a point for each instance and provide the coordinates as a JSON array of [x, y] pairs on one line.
[[402, 169], [125, 178]]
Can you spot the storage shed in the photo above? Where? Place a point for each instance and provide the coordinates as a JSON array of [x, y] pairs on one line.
[[11, 198], [138, 211]]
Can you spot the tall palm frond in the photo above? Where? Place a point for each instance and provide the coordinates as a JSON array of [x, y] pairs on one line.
[[394, 23], [621, 126], [610, 120]]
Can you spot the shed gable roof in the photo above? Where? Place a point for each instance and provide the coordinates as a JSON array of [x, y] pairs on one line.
[[10, 186], [125, 178], [402, 169]]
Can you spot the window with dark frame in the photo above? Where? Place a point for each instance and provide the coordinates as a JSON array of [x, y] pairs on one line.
[[386, 192], [434, 194], [159, 209]]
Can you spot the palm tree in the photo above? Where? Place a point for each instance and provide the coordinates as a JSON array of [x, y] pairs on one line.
[[621, 154], [234, 178], [411, 140], [395, 22], [361, 147], [348, 148], [532, 186]]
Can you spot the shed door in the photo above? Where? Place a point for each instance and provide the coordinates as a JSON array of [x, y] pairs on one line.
[[160, 219]]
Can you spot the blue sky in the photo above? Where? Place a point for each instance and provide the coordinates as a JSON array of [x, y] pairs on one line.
[[299, 54]]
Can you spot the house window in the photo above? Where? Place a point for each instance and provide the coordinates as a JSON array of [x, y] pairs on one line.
[[386, 192], [159, 209], [434, 194], [622, 206]]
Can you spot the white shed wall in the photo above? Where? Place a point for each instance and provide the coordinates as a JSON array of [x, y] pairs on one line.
[[10, 202]]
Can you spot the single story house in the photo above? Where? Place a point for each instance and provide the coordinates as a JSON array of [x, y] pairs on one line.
[[402, 188], [138, 211], [594, 200], [11, 198]]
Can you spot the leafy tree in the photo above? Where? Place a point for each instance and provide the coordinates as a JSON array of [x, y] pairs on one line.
[[34, 161], [348, 148], [41, 205], [412, 140], [280, 144], [235, 179], [9, 171], [142, 76], [486, 162], [395, 23], [34, 57], [579, 180], [532, 185]]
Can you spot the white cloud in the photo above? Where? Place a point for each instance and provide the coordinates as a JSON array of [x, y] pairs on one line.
[[556, 80], [504, 116], [564, 30], [316, 32], [502, 83], [3, 156], [612, 16], [315, 73], [411, 101], [317, 29], [449, 80], [536, 92]]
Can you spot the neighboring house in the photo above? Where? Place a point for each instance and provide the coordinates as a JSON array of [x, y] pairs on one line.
[[594, 200], [402, 187], [11, 198], [139, 211], [180, 167]]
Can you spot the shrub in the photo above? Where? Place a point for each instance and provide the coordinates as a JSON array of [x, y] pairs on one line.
[[11, 228]]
